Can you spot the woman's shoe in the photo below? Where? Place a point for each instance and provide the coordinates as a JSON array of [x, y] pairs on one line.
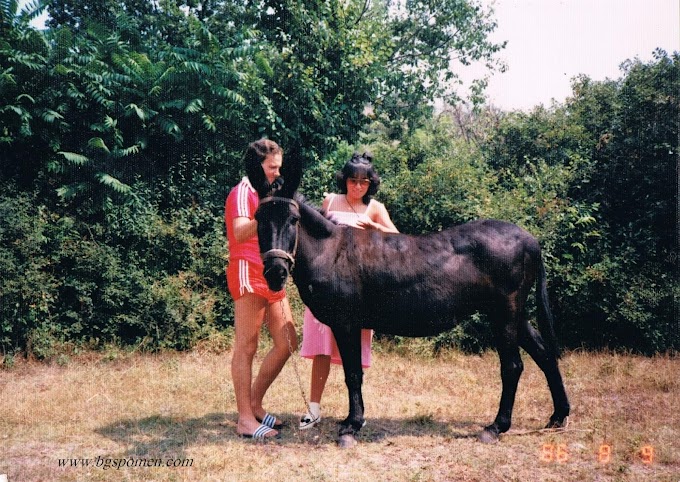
[[308, 421]]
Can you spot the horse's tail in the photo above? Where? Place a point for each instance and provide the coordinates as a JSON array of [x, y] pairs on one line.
[[545, 317]]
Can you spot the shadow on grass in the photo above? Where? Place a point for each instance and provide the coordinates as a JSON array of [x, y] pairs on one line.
[[158, 436], [161, 436]]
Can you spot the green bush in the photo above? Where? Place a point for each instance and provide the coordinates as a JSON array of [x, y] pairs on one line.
[[28, 288], [450, 188], [137, 280], [443, 181]]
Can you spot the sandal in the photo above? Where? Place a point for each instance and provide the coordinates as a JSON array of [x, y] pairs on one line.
[[261, 433], [308, 421], [270, 421]]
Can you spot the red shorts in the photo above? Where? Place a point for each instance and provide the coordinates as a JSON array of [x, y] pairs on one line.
[[246, 277]]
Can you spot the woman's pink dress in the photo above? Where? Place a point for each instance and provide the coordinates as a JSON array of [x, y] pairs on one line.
[[317, 338]]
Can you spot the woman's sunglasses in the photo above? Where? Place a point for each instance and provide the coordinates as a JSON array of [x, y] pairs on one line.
[[360, 182]]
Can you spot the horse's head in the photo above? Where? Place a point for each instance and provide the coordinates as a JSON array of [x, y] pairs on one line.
[[277, 224], [277, 232]]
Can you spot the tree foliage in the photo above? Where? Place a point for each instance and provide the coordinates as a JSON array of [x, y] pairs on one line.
[[620, 139], [143, 109]]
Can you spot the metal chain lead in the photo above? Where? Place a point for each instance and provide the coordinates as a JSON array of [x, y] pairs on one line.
[[295, 367]]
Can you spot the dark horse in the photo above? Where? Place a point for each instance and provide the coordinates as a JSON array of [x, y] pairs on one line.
[[412, 286]]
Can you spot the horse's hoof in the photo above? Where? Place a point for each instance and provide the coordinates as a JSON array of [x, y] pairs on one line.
[[488, 437], [347, 441], [558, 423]]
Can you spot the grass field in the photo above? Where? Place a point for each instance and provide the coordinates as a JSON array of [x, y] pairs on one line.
[[128, 416]]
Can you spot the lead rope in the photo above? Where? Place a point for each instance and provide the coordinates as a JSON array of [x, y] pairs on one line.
[[295, 367]]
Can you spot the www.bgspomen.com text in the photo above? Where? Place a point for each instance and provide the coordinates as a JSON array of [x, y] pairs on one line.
[[113, 463]]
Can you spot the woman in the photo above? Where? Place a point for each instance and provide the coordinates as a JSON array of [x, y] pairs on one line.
[[354, 206], [253, 300]]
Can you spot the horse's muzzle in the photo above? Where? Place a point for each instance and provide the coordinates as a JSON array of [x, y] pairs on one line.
[[277, 266], [276, 271]]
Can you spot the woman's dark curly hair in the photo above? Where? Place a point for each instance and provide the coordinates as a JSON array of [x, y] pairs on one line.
[[359, 166], [254, 157]]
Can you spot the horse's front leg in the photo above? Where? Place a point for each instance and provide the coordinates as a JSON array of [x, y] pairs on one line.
[[349, 345]]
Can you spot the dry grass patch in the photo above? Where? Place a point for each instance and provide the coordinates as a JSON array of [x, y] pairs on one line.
[[423, 415]]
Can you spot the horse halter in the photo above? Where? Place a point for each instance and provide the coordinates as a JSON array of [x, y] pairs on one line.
[[280, 253]]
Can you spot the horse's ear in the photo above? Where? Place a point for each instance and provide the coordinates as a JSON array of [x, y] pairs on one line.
[[257, 179], [261, 185], [291, 171]]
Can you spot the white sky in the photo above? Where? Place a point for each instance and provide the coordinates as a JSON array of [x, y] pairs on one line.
[[552, 41]]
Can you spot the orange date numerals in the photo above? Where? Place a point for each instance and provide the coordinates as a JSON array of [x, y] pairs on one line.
[[647, 454], [604, 454], [559, 453], [554, 453]]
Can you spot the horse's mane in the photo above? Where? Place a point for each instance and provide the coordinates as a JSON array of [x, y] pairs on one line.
[[320, 223], [302, 199]]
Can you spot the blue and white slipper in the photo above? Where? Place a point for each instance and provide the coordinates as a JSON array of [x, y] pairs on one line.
[[270, 421], [260, 433]]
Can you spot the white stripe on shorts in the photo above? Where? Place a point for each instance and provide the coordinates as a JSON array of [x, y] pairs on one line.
[[244, 278]]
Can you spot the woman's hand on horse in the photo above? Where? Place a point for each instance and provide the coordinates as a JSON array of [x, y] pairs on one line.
[[369, 225]]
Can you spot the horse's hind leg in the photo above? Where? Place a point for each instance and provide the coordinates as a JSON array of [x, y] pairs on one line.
[[511, 370], [532, 342]]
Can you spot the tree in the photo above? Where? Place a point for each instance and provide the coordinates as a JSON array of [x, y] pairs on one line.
[[615, 282], [23, 64], [429, 43], [11, 17], [77, 14], [636, 178], [331, 60]]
